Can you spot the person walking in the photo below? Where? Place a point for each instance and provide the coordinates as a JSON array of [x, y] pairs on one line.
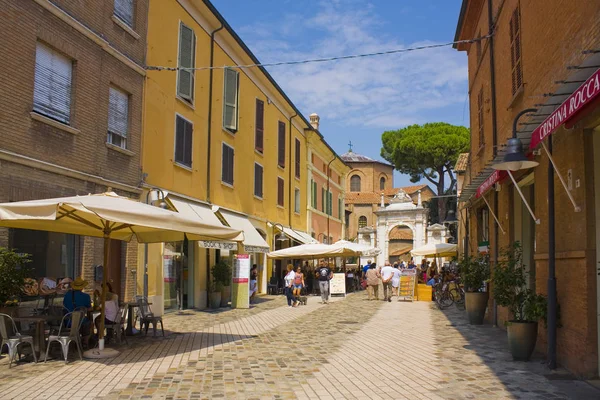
[[324, 275], [387, 273], [289, 282], [298, 282], [372, 277], [395, 280]]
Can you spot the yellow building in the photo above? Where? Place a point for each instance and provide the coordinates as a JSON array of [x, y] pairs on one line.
[[221, 144]]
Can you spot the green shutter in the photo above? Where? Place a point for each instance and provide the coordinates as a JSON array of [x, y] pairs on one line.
[[323, 200]]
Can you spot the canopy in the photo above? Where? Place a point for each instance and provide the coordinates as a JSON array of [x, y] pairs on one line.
[[109, 216], [312, 250], [360, 249], [436, 250]]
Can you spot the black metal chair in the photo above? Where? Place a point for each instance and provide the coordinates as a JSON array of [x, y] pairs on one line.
[[147, 317], [272, 287]]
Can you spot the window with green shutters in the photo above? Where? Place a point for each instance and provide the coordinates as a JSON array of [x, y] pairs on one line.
[[230, 100], [329, 203], [323, 200], [187, 56], [313, 194], [340, 209]]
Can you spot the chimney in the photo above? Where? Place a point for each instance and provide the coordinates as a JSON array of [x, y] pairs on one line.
[[314, 120]]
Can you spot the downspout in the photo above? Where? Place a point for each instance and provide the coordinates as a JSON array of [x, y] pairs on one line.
[[494, 138], [208, 145], [327, 197], [552, 302], [290, 173]]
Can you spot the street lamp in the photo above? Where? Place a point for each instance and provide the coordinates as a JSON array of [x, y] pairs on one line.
[[451, 217], [153, 196], [515, 160]]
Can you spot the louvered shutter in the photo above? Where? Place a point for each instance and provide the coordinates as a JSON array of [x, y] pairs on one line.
[[260, 125], [297, 200], [124, 10], [297, 159], [185, 77], [230, 102], [323, 200], [179, 140], [330, 203], [339, 208], [52, 84], [228, 165], [281, 145], [280, 196], [258, 180], [118, 110], [187, 150]]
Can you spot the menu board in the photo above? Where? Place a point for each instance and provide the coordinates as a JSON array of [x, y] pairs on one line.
[[337, 285], [241, 268]]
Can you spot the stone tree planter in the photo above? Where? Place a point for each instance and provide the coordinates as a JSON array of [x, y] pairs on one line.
[[476, 304], [522, 337]]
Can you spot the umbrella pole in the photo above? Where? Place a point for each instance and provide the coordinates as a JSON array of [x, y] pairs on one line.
[[103, 296]]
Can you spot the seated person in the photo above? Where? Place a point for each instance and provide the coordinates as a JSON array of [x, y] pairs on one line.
[[111, 309], [433, 280], [74, 299]]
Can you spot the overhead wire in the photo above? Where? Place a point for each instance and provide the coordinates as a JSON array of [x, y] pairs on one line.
[[325, 59]]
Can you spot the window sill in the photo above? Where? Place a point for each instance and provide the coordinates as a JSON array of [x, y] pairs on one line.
[[297, 212], [229, 185], [280, 167], [185, 102], [281, 207], [260, 153], [517, 96], [49, 121], [258, 198], [297, 178], [125, 27], [120, 149], [232, 133], [182, 166]]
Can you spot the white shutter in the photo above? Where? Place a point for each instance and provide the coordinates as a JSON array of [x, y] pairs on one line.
[[230, 102], [52, 84], [124, 10], [118, 108], [185, 78]]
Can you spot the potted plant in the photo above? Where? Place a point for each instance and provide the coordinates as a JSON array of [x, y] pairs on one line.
[[215, 294], [221, 273], [524, 305], [13, 272], [475, 273]]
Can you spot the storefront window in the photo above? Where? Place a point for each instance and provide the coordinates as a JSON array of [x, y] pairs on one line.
[[53, 255]]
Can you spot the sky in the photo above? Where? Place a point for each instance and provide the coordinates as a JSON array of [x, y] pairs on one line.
[[358, 99]]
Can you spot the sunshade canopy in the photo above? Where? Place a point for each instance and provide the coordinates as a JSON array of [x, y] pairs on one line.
[[123, 218], [313, 250], [360, 249], [436, 250]]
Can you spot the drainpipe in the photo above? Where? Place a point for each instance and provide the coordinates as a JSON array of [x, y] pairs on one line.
[[208, 144], [209, 123], [552, 302], [327, 196], [290, 173], [494, 137]]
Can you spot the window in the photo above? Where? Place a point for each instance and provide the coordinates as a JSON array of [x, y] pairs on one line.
[[340, 208], [515, 50], [52, 84], [355, 183], [183, 141], [259, 129], [258, 180], [297, 200], [187, 59], [362, 222], [297, 159], [118, 121], [329, 208], [382, 183], [227, 164], [280, 195], [480, 117], [124, 11], [313, 194], [478, 44], [230, 103], [281, 144], [323, 199], [483, 225]]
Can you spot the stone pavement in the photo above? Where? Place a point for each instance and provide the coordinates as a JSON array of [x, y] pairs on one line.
[[350, 348]]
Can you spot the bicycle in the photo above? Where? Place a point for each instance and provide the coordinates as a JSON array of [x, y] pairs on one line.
[[443, 297], [458, 294]]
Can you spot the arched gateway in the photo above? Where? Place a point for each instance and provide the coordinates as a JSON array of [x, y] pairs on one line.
[[400, 212]]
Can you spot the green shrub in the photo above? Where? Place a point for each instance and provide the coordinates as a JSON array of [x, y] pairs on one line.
[[221, 273], [13, 271], [474, 272]]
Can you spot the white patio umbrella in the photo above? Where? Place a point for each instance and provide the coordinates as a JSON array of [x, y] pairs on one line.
[[312, 250], [109, 216], [436, 250], [360, 249]]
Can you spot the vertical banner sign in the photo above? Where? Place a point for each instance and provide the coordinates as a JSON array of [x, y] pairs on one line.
[[337, 285], [241, 277]]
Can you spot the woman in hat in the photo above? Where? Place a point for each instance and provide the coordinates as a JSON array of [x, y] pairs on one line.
[[74, 299]]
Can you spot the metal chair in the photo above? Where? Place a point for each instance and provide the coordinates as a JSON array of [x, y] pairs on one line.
[[118, 327], [65, 335], [12, 338], [147, 318], [272, 286]]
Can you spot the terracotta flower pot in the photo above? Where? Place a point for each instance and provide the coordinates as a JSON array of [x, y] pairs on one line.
[[476, 304], [521, 339]]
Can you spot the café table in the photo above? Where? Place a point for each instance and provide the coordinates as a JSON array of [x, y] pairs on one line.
[[130, 307], [39, 337]]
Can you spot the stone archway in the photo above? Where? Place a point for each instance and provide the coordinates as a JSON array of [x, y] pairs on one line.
[[400, 243], [400, 212]]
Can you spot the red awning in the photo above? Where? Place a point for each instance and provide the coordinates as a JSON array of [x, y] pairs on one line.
[[495, 177], [576, 102]]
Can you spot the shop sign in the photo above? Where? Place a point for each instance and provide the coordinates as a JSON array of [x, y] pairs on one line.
[[576, 101], [241, 268], [337, 284], [213, 244], [495, 177], [255, 249]]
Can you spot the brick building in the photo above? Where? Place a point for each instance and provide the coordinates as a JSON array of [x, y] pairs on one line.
[[71, 120], [540, 55]]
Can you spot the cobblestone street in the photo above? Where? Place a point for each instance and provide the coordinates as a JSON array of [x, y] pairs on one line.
[[350, 348]]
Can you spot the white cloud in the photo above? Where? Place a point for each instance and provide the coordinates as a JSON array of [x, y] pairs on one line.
[[384, 91]]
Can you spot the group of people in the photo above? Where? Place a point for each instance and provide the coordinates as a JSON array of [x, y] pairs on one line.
[[388, 276], [294, 282]]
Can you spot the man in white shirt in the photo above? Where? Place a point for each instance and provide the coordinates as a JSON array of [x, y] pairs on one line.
[[387, 273]]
